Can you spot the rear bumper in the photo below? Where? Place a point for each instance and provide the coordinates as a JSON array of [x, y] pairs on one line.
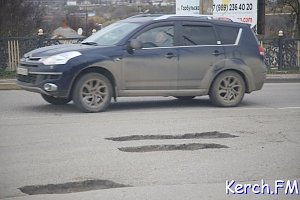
[[260, 81]]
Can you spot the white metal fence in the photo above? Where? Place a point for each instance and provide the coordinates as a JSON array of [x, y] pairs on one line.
[[13, 54]]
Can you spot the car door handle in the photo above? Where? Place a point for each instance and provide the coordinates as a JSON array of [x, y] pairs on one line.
[[216, 53], [170, 55]]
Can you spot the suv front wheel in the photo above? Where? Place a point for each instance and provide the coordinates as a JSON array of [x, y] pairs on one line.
[[92, 92], [228, 89]]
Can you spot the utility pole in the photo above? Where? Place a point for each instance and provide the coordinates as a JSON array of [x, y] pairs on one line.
[[261, 17], [86, 20]]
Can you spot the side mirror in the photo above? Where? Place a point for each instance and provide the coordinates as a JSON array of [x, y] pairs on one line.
[[135, 44]]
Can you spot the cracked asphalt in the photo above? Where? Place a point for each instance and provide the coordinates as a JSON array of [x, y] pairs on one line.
[[43, 144]]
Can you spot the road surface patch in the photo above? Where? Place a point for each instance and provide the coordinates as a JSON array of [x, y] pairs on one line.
[[173, 147], [71, 187], [203, 135]]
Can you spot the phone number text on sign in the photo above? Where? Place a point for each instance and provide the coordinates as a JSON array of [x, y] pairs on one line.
[[232, 7]]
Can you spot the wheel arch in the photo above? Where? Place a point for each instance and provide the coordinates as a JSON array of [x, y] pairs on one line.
[[247, 89], [96, 69]]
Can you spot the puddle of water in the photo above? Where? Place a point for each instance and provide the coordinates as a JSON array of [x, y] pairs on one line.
[[204, 135], [182, 147], [70, 187]]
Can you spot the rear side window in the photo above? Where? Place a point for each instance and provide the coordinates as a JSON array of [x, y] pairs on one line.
[[198, 35], [228, 34]]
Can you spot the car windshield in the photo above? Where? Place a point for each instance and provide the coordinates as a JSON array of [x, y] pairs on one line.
[[111, 34]]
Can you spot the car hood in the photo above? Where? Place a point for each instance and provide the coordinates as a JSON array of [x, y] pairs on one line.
[[57, 49]]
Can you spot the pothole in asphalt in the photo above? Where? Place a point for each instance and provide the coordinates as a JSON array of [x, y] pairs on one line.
[[203, 135], [175, 147], [71, 187]]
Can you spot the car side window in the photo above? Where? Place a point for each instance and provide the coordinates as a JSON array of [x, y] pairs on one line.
[[198, 35], [228, 34], [157, 37]]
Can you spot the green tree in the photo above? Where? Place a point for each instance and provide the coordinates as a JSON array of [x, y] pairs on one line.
[[19, 18]]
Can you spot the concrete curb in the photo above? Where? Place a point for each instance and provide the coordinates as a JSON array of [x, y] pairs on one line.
[[283, 78], [10, 84]]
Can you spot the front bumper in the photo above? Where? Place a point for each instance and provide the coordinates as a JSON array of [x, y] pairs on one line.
[[39, 82], [31, 89]]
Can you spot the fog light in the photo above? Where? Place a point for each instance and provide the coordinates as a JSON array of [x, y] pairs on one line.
[[50, 87]]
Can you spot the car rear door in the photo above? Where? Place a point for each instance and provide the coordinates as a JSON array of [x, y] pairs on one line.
[[200, 51]]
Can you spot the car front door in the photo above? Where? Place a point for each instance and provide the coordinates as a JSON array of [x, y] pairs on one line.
[[200, 51], [155, 65]]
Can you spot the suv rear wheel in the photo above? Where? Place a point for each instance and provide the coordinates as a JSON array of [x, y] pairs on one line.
[[56, 100], [92, 92], [228, 89]]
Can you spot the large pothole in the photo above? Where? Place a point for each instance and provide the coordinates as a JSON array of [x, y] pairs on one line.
[[203, 135], [173, 147], [71, 187]]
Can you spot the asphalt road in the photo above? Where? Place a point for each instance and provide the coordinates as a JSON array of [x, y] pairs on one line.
[[43, 144]]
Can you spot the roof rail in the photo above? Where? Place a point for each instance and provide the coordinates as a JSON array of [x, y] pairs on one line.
[[210, 17], [199, 16], [222, 18]]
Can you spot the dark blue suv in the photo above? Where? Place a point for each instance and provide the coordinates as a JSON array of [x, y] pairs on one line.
[[151, 55]]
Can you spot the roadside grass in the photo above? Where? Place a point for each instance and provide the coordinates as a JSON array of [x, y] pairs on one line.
[[8, 74]]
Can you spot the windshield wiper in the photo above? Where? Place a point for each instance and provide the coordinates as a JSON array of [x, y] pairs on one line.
[[90, 43]]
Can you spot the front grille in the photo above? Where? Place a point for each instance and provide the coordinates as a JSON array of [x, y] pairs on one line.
[[34, 58], [30, 78], [37, 78], [28, 65]]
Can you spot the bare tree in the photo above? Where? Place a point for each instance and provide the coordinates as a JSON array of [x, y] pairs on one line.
[[19, 18], [288, 6]]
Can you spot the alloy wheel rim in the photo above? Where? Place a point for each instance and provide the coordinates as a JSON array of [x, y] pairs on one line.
[[94, 92], [229, 89]]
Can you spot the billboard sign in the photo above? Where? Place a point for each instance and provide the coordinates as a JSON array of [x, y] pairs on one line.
[[187, 7], [243, 10]]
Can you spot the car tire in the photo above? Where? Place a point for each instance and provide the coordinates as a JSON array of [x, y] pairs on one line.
[[228, 89], [56, 100], [185, 98], [92, 92]]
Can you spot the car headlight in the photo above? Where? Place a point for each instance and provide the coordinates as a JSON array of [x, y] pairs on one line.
[[60, 59]]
